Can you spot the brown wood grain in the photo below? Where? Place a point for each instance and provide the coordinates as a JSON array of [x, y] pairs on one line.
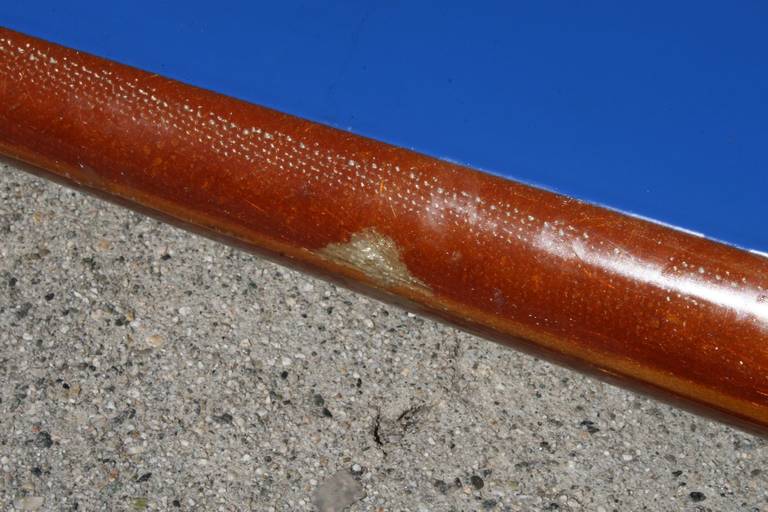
[[621, 297]]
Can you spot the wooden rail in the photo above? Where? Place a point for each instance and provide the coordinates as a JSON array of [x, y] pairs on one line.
[[623, 298]]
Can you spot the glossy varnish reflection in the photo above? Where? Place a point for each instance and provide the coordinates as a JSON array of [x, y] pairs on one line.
[[623, 297]]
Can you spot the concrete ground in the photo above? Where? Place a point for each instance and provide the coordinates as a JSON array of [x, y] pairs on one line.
[[144, 368]]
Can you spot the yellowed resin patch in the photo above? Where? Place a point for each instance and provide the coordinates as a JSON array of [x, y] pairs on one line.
[[375, 255]]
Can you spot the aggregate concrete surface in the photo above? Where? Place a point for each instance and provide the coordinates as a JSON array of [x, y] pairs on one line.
[[145, 368]]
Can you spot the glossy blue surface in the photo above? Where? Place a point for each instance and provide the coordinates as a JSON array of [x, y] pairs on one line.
[[655, 108]]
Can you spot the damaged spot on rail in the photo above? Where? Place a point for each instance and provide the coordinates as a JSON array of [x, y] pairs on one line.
[[375, 255]]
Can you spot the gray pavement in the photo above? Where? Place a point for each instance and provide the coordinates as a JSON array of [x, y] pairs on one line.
[[145, 368]]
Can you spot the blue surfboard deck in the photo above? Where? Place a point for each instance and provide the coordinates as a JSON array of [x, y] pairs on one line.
[[657, 109]]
